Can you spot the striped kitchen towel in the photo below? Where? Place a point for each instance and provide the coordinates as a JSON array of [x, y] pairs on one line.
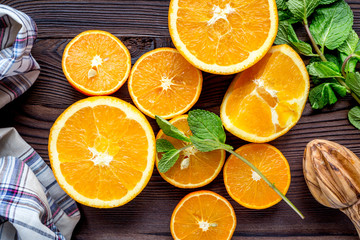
[[32, 204], [18, 69]]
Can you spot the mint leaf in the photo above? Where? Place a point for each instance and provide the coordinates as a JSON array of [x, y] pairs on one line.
[[325, 2], [350, 44], [281, 4], [207, 145], [353, 82], [303, 48], [324, 69], [206, 125], [351, 64], [302, 9], [332, 24], [170, 129], [282, 34], [318, 81], [324, 94], [330, 58], [168, 160], [163, 145], [354, 116]]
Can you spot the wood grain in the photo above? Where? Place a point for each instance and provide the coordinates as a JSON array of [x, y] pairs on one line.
[[142, 26]]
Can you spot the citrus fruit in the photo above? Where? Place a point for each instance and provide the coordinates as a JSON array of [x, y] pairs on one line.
[[193, 168], [246, 187], [102, 151], [266, 101], [223, 37], [203, 215], [163, 83], [96, 63]]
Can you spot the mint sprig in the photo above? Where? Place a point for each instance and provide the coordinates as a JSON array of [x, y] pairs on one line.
[[208, 134], [328, 24]]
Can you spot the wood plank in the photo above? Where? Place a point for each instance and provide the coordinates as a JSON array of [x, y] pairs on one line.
[[65, 19]]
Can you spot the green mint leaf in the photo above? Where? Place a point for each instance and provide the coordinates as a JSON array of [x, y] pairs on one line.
[[163, 145], [332, 24], [324, 94], [170, 129], [207, 145], [324, 69], [351, 64], [303, 48], [354, 116], [330, 58], [350, 44], [318, 81], [302, 9], [353, 82], [325, 2], [286, 15], [206, 125], [282, 34], [168, 160], [281, 4]]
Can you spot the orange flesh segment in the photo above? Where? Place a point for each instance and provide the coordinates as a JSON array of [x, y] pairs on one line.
[[207, 207], [222, 32], [112, 69], [104, 130], [245, 187], [164, 83], [264, 98], [202, 166]]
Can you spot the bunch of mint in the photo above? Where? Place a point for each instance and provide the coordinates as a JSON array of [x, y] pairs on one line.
[[208, 134], [334, 48]]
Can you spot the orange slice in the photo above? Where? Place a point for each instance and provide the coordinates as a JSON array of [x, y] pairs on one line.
[[96, 63], [265, 101], [163, 83], [246, 187], [193, 169], [203, 215], [102, 151], [223, 37]]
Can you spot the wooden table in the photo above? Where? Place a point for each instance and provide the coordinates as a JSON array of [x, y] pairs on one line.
[[142, 26]]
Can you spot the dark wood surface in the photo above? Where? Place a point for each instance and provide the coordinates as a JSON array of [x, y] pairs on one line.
[[142, 26]]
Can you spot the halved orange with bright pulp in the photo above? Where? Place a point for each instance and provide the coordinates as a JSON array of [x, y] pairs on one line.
[[267, 100], [193, 169], [203, 215], [102, 151], [96, 63], [163, 83], [223, 37], [246, 187]]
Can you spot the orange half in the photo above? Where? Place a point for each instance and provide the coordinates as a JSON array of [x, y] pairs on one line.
[[267, 100], [246, 187], [163, 83], [102, 151], [193, 169], [96, 63], [223, 37], [203, 215]]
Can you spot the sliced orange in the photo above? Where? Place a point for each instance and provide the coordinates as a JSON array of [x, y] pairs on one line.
[[246, 187], [193, 169], [163, 83], [96, 63], [223, 37], [102, 151], [203, 215], [265, 101]]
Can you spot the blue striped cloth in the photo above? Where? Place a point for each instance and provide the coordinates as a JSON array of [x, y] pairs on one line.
[[18, 68], [32, 204]]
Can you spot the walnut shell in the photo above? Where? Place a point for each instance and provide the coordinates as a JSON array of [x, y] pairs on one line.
[[332, 173]]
